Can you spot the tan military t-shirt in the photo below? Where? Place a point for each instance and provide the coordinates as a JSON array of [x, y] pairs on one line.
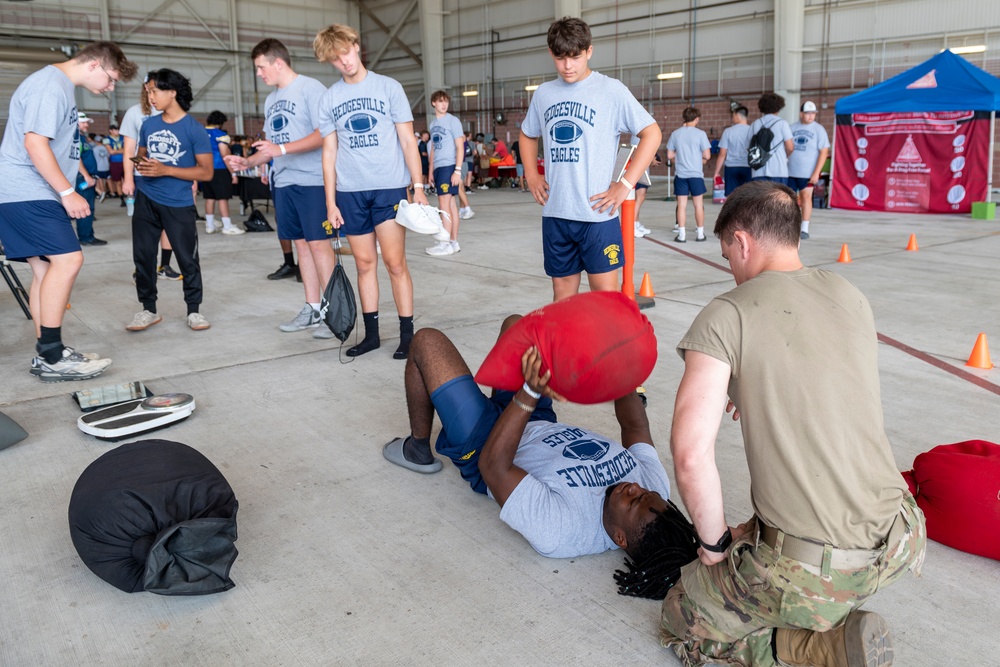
[[803, 351]]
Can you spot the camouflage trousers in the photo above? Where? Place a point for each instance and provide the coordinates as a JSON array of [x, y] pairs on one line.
[[725, 614]]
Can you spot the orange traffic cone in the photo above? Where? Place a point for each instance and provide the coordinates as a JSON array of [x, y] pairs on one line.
[[980, 357], [845, 254], [912, 245], [646, 289]]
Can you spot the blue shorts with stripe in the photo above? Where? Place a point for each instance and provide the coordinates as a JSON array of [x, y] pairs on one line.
[[467, 417], [442, 181], [362, 211]]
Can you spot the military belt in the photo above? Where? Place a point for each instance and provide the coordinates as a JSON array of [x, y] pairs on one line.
[[814, 553]]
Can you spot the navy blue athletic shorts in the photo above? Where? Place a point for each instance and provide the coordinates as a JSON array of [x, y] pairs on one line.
[[773, 179], [467, 417], [641, 186], [689, 187], [301, 213], [365, 209], [571, 247], [735, 177], [442, 181], [36, 229], [796, 183]]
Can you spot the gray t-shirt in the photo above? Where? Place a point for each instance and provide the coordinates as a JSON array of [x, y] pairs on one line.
[[581, 123], [558, 506], [736, 140], [292, 113], [809, 141], [44, 104], [690, 144], [777, 166], [364, 116], [132, 123], [102, 156], [444, 132]]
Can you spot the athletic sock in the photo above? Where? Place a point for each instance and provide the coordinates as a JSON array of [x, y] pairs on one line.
[[209, 220], [314, 306], [805, 226], [227, 223], [405, 336], [418, 450], [49, 345], [371, 340], [290, 259], [681, 234], [701, 233], [165, 255]]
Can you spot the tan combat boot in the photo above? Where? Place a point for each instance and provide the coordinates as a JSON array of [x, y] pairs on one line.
[[862, 641]]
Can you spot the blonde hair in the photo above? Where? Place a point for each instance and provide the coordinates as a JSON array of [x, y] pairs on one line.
[[333, 39]]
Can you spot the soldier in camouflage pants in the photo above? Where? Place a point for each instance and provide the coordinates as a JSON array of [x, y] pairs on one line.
[[726, 613]]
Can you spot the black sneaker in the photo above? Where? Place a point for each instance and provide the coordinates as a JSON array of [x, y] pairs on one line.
[[123, 201], [168, 273], [94, 241], [284, 271]]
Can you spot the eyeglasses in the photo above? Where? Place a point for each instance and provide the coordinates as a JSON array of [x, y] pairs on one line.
[[111, 80]]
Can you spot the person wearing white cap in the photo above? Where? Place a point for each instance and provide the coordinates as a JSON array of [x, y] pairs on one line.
[[812, 146]]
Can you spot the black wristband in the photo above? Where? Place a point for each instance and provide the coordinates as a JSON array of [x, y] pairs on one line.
[[720, 546]]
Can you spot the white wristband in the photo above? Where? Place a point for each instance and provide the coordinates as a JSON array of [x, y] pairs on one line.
[[418, 185], [283, 150], [67, 192], [531, 392], [458, 171], [626, 183]]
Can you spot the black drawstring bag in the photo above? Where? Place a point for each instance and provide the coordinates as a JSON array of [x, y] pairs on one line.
[[257, 222], [340, 311]]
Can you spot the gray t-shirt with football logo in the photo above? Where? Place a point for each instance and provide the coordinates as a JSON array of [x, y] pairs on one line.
[[364, 116], [292, 113], [45, 105], [444, 132], [581, 123], [809, 140]]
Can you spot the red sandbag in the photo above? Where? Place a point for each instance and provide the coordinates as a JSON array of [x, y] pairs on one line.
[[958, 488], [597, 344]]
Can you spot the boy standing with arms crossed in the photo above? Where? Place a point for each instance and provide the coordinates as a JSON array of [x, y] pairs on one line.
[[690, 149], [39, 160], [446, 145], [582, 114]]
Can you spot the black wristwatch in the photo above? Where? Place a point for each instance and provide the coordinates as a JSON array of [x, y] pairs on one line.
[[720, 546]]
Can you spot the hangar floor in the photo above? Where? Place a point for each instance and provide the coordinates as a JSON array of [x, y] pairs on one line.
[[348, 560]]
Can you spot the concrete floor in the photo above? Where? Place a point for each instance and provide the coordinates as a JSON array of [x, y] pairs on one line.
[[348, 560]]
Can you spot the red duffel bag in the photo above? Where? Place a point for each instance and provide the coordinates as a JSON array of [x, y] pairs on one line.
[[958, 488]]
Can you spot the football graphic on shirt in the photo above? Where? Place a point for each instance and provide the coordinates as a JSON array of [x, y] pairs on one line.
[[164, 147], [361, 122], [279, 122], [586, 450], [565, 132]]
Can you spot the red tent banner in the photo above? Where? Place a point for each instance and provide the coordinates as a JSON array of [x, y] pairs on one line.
[[911, 162]]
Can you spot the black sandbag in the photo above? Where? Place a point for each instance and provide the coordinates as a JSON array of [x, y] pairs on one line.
[[340, 310], [157, 516]]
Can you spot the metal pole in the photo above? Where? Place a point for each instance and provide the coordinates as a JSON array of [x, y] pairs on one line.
[[989, 174]]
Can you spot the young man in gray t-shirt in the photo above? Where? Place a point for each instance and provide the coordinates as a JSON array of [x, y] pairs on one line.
[[805, 164], [294, 145], [776, 167], [732, 160], [447, 144], [690, 149], [39, 161], [370, 157], [582, 114]]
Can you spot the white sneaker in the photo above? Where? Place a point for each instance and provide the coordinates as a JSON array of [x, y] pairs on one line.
[[440, 249], [306, 319], [143, 321], [197, 322], [233, 230], [210, 229], [638, 231], [677, 227], [466, 213], [455, 247], [484, 187], [646, 231], [72, 366]]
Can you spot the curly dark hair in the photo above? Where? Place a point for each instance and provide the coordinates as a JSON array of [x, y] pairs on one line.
[[568, 37], [668, 543], [770, 103], [216, 118], [168, 79]]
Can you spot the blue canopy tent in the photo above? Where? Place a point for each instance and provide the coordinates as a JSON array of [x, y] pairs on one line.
[[946, 82]]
